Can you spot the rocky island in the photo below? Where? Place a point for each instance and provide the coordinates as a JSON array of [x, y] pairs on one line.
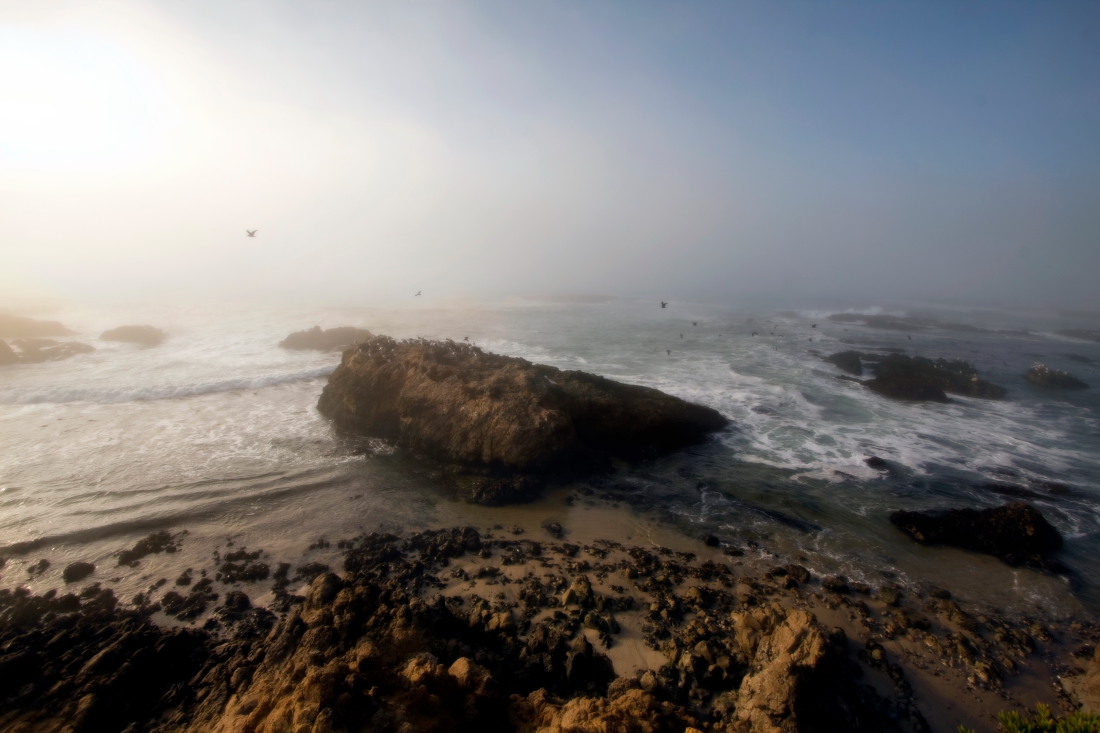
[[502, 425], [327, 339], [143, 335], [915, 377]]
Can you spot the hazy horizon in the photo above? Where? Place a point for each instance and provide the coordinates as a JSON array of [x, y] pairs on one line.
[[878, 153]]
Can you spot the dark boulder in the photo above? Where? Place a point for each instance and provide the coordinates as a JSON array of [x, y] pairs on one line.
[[144, 335], [329, 339], [879, 464], [1043, 376], [1017, 533], [77, 571], [848, 361], [505, 421], [918, 378]]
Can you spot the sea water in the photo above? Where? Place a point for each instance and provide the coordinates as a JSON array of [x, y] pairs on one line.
[[215, 431]]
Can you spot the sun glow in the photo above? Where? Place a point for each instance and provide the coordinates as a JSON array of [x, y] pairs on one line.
[[75, 102]]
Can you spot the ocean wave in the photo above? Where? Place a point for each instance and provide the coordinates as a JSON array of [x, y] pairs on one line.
[[63, 394]]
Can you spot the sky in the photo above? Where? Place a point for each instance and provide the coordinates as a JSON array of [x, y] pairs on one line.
[[882, 151]]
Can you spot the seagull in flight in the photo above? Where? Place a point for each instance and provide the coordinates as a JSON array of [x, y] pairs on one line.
[[251, 232], [664, 304], [417, 293]]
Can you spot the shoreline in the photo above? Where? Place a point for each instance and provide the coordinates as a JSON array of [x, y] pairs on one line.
[[930, 657]]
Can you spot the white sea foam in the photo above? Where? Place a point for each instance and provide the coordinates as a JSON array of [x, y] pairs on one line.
[[110, 433], [130, 393]]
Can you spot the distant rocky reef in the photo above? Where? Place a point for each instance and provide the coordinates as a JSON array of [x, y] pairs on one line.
[[144, 335], [503, 424], [1081, 333], [916, 377], [328, 339], [1043, 376]]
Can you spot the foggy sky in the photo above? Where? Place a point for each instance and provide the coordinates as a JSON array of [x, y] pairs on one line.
[[702, 151]]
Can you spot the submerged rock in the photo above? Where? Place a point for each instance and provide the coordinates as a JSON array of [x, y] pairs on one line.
[[1081, 333], [1043, 376], [77, 571], [144, 335], [504, 422], [329, 339], [1017, 533]]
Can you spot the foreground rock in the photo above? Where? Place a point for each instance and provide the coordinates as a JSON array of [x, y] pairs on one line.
[[1043, 376], [329, 339], [1017, 533], [917, 378], [144, 335], [505, 423], [36, 350], [433, 632]]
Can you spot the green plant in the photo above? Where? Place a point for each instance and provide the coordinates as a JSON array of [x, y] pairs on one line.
[[1043, 721]]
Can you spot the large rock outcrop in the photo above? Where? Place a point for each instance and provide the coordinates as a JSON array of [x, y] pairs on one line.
[[503, 419], [918, 378], [328, 339], [1017, 533]]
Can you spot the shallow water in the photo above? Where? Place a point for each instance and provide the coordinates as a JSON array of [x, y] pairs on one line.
[[216, 431]]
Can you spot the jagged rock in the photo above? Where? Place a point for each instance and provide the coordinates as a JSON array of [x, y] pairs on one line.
[[1017, 533], [329, 339], [799, 674], [1043, 376], [35, 350], [144, 335], [1086, 687], [501, 420], [7, 354], [381, 649], [12, 326], [918, 378], [848, 361], [161, 541]]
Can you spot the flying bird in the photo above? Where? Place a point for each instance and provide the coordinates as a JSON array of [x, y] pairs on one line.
[[417, 293], [664, 304], [251, 232]]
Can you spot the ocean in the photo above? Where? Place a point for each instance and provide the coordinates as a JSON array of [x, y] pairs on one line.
[[215, 432]]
